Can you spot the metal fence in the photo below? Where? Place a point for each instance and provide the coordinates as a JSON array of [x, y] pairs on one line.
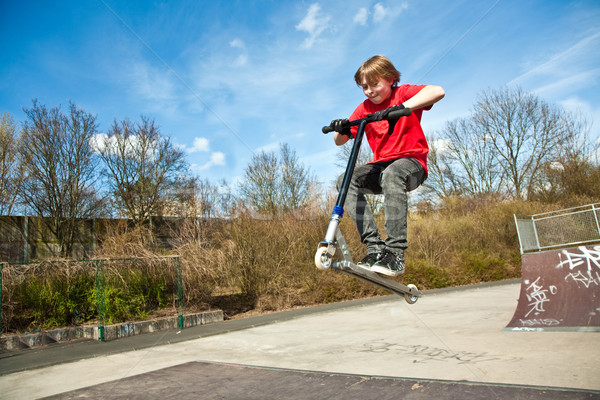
[[551, 230]]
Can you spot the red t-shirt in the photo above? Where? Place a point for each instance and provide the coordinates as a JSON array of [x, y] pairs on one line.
[[407, 139]]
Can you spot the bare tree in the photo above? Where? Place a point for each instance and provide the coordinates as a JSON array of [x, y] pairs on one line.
[[442, 180], [273, 185], [11, 169], [524, 131], [260, 186], [201, 198], [502, 148], [198, 202], [60, 169], [364, 156], [142, 168], [295, 180], [472, 150], [576, 170]]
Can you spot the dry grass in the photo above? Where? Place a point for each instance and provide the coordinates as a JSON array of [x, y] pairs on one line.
[[250, 265]]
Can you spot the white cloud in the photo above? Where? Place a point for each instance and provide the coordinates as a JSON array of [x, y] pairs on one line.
[[361, 16], [557, 166], [269, 147], [237, 43], [216, 159], [441, 145], [98, 142], [151, 83], [242, 59], [200, 144], [314, 24], [402, 7], [575, 104], [568, 83], [592, 115], [379, 12], [102, 141], [565, 64]]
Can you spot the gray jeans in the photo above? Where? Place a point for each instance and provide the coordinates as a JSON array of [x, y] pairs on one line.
[[394, 179]]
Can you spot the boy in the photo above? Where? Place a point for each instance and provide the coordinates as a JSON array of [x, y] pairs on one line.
[[399, 160]]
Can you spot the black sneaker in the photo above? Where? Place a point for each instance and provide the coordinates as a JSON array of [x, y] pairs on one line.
[[369, 260], [391, 264]]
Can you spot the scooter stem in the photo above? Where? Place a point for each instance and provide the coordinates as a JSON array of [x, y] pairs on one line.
[[350, 167], [338, 209]]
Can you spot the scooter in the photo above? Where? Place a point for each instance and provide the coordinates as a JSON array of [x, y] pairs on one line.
[[334, 245]]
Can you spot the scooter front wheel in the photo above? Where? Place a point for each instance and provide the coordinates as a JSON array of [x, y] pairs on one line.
[[323, 259]]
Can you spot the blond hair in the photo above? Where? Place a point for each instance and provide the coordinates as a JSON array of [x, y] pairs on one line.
[[374, 69]]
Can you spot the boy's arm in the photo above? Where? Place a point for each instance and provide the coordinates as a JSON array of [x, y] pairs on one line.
[[340, 139], [429, 95]]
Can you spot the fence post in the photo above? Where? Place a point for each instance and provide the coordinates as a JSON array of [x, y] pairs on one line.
[[537, 239], [179, 283], [1, 272], [100, 298], [94, 237], [26, 239], [595, 212]]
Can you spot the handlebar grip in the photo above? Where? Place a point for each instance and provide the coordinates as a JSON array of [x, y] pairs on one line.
[[405, 112], [392, 115]]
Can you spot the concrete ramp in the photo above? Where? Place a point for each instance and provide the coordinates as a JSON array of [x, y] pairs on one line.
[[560, 290]]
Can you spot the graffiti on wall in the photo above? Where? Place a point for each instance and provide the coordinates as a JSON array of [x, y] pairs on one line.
[[538, 295], [583, 265]]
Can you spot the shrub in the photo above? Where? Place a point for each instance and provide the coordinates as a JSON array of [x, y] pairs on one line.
[[46, 295]]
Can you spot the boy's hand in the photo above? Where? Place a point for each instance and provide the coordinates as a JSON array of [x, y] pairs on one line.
[[387, 111], [341, 126], [383, 114], [338, 124]]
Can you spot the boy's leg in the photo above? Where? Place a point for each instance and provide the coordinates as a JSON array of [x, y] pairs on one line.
[[399, 178], [365, 179]]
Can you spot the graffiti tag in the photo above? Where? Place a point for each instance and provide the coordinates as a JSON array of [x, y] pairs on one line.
[[583, 266], [537, 296], [541, 321], [426, 353]]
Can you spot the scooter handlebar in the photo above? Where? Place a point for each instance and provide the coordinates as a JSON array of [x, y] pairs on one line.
[[405, 112], [395, 114]]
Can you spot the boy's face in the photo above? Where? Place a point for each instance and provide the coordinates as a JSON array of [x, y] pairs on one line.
[[378, 92]]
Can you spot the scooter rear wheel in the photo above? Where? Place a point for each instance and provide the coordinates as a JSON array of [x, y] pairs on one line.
[[411, 298]]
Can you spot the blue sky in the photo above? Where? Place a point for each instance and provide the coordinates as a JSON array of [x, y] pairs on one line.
[[225, 79]]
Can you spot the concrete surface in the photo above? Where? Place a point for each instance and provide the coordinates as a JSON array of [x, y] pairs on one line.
[[208, 381], [452, 336]]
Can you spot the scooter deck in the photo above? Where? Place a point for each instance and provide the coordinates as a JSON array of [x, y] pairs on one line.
[[371, 277], [346, 265]]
